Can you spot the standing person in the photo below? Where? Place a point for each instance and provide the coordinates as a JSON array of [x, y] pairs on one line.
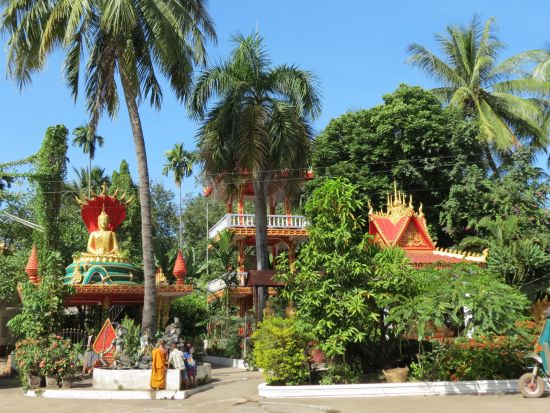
[[158, 368], [177, 362], [190, 366]]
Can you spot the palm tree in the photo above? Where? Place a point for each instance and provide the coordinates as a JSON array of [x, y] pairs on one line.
[[96, 178], [538, 61], [258, 126], [87, 142], [102, 41], [180, 162], [473, 81]]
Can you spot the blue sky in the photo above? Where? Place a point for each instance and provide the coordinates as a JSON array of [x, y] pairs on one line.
[[356, 48]]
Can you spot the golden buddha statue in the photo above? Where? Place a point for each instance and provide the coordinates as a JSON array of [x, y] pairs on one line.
[[103, 241]]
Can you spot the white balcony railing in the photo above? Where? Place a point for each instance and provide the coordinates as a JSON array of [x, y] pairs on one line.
[[247, 221]]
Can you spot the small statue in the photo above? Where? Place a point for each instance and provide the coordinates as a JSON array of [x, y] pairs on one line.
[[269, 311], [145, 358], [290, 310], [172, 334], [120, 358], [103, 241]]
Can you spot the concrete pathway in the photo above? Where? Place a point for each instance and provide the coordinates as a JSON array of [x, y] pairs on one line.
[[236, 391]]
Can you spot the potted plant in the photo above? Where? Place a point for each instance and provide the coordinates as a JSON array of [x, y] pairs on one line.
[[57, 360], [27, 359]]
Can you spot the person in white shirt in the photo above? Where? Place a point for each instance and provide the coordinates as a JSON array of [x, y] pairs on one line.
[[176, 361]]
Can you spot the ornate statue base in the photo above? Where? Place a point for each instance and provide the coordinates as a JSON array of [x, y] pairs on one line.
[[101, 269]]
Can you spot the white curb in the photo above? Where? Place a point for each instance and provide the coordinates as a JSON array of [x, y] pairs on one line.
[[225, 361], [438, 388]]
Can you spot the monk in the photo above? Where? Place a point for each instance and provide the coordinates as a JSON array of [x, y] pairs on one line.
[[158, 372]]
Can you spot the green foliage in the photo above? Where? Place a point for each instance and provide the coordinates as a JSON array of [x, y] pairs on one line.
[[335, 302], [507, 108], [42, 310], [57, 357], [131, 343], [165, 216], [49, 175], [518, 260], [195, 224], [441, 295], [28, 353], [255, 118], [223, 265], [342, 373], [521, 189], [279, 349], [11, 273], [485, 358], [193, 313], [129, 232], [410, 139]]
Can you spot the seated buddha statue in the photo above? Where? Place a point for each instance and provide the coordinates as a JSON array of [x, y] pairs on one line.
[[103, 241]]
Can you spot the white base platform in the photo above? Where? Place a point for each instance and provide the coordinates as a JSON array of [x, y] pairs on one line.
[[134, 379], [440, 388], [91, 394]]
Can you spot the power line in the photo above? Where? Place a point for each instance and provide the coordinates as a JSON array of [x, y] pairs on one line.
[[425, 158]]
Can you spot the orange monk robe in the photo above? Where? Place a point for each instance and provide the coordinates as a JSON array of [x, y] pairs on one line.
[[158, 373]]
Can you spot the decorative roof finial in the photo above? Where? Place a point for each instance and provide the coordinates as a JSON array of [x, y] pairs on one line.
[[371, 210], [410, 201]]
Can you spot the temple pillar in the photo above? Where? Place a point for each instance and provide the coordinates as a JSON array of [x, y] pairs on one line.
[[240, 209], [288, 211], [271, 206]]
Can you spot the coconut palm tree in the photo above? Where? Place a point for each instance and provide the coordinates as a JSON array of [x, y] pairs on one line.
[[535, 64], [87, 142], [96, 178], [180, 162], [105, 41], [257, 126], [472, 80]]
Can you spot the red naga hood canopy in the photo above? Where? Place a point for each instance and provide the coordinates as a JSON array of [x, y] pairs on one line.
[[113, 206]]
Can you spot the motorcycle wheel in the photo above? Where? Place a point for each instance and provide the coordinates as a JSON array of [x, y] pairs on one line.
[[531, 388]]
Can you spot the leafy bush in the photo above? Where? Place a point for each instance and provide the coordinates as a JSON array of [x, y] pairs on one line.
[[342, 373], [279, 349], [131, 339], [486, 358], [47, 356], [27, 358], [193, 313], [57, 357]]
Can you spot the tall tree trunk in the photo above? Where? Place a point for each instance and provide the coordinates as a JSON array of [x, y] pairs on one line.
[[90, 178], [180, 219], [148, 321], [262, 254]]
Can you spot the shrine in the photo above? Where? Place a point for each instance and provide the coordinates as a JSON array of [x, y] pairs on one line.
[[103, 276], [404, 227]]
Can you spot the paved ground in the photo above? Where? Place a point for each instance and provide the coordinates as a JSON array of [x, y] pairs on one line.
[[236, 391]]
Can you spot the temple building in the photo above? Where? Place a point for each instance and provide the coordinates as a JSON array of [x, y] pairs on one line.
[[285, 232], [401, 226]]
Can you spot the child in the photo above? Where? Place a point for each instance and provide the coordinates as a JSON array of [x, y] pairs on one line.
[[190, 366]]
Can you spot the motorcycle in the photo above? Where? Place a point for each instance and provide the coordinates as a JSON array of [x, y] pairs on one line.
[[531, 384]]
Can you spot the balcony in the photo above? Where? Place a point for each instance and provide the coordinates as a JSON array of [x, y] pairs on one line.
[[247, 221]]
